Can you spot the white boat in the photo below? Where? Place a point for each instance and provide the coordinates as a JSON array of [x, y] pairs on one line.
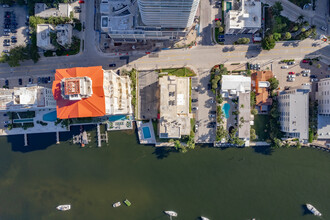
[[171, 213], [313, 210], [117, 204], [204, 218], [64, 207]]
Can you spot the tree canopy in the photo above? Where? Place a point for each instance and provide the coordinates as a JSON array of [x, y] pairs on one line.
[[268, 43]]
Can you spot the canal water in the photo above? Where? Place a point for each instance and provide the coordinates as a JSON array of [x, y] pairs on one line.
[[219, 184]]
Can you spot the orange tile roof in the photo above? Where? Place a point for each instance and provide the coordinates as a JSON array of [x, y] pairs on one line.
[[261, 93], [93, 106]]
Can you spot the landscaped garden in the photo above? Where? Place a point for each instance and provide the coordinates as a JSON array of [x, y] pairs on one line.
[[261, 127], [180, 72]]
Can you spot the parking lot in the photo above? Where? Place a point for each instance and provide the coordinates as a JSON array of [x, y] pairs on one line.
[[206, 125], [12, 82], [13, 27], [148, 95]]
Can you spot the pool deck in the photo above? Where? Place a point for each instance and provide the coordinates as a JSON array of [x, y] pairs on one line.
[[140, 125], [119, 125], [38, 128]]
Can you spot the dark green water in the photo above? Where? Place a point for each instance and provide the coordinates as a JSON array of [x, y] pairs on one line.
[[219, 184]]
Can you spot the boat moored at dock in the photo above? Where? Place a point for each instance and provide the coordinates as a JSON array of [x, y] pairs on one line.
[[117, 204], [171, 213]]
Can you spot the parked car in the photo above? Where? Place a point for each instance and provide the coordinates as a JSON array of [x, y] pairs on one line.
[[291, 63], [194, 108], [258, 66], [305, 61], [112, 65], [291, 79], [212, 101], [291, 76], [209, 86], [291, 73], [30, 80], [212, 112], [194, 100], [7, 82], [20, 82], [314, 79], [284, 67], [305, 74], [221, 36], [5, 51], [77, 11], [324, 28], [327, 76], [306, 71], [251, 66], [313, 76], [221, 40], [81, 2]]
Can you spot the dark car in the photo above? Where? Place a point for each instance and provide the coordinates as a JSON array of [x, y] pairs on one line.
[[13, 31], [20, 82], [7, 82], [221, 40], [312, 76], [209, 86], [112, 65], [13, 37], [30, 80], [213, 112], [194, 100], [221, 36], [39, 79]]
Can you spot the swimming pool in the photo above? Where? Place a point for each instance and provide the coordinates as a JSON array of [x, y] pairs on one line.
[[225, 109], [117, 118], [146, 132], [228, 6], [23, 120], [51, 116]]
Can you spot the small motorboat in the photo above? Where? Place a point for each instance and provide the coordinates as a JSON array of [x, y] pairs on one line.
[[204, 218], [171, 213], [117, 204], [64, 207], [128, 203], [313, 210]]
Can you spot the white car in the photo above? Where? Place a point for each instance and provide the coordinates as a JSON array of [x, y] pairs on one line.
[[284, 67], [314, 80], [212, 116], [291, 79], [5, 6], [306, 71], [291, 76], [305, 74], [291, 63]]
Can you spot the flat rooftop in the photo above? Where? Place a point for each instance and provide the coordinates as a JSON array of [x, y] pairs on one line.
[[249, 15]]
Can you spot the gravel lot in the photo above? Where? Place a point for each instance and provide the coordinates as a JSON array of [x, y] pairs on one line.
[[21, 35]]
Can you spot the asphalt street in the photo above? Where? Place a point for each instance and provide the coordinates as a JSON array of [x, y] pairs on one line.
[[200, 56]]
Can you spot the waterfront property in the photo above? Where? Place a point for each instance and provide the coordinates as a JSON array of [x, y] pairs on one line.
[[322, 97], [293, 107], [51, 116], [260, 86], [174, 118], [146, 132], [244, 116], [90, 92]]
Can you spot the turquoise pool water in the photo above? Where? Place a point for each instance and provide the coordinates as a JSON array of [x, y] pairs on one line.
[[146, 132], [117, 117], [23, 120], [225, 109], [51, 116], [228, 6]]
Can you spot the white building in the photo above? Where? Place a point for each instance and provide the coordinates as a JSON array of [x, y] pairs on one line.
[[41, 10], [64, 34], [168, 13], [117, 91], [247, 19], [293, 106], [232, 85], [23, 98], [174, 118], [123, 21], [43, 36], [323, 100]]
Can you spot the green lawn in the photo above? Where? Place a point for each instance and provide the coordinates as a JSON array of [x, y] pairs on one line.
[[181, 72], [260, 125]]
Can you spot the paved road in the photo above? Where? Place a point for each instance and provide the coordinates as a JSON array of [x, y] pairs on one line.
[[205, 22]]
